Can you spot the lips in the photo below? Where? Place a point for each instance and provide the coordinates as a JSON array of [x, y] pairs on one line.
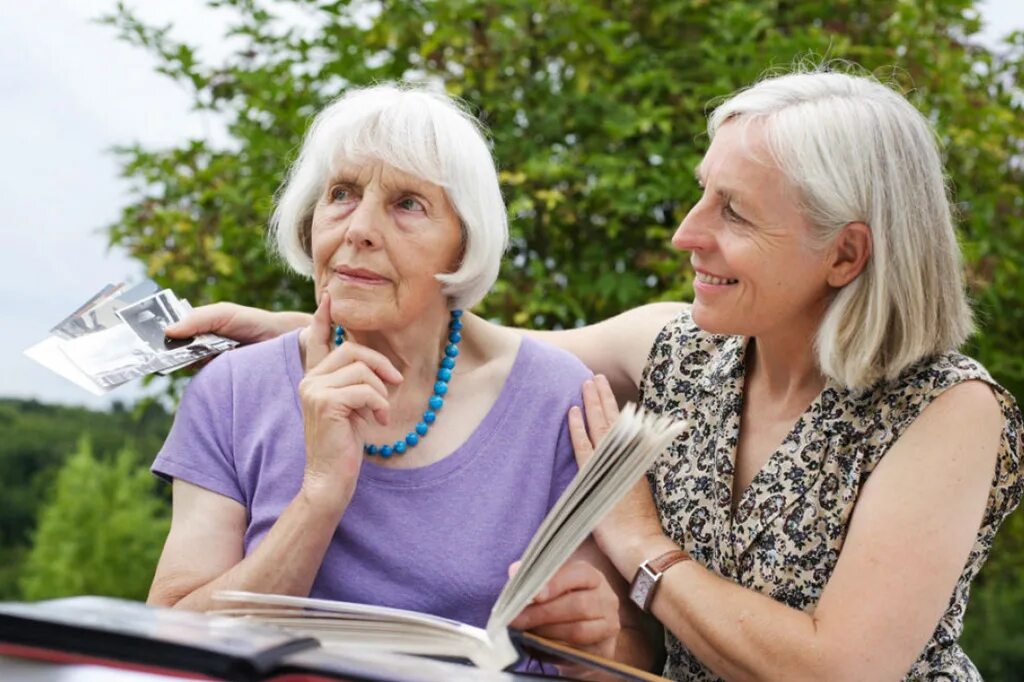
[[708, 278], [360, 275]]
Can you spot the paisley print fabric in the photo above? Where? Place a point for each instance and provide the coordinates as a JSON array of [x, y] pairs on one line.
[[789, 525]]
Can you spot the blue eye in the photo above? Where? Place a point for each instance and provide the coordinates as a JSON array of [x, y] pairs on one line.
[[410, 204], [340, 193]]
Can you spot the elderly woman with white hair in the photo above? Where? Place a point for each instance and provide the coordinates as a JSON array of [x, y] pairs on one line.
[[847, 469], [398, 450]]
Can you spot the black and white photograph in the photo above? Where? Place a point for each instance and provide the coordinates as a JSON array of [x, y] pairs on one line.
[[149, 317]]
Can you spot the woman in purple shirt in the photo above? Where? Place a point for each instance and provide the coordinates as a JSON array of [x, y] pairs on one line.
[[421, 446]]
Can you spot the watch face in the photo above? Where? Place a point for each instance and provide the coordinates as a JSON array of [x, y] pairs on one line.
[[640, 590]]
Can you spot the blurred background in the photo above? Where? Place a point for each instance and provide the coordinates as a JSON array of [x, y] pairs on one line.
[[148, 138]]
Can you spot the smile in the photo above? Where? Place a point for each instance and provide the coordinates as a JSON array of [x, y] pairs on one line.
[[711, 279]]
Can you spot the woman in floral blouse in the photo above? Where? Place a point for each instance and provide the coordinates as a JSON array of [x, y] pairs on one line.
[[846, 468]]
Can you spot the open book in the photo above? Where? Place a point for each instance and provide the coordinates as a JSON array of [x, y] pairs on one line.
[[626, 452]]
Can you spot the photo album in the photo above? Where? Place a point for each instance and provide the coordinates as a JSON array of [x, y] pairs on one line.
[[118, 335]]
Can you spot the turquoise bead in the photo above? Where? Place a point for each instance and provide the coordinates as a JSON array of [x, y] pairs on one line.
[[444, 375]]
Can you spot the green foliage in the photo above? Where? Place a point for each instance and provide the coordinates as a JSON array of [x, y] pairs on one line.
[[36, 441], [102, 531], [994, 623]]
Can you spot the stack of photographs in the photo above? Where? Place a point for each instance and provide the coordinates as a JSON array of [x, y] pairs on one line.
[[118, 335]]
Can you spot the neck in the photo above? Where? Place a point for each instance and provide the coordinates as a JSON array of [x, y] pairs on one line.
[[414, 349], [785, 366]]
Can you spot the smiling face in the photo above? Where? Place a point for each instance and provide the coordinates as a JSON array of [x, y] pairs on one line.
[[757, 269], [379, 236]]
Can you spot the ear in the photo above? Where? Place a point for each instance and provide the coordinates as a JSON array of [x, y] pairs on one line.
[[849, 254]]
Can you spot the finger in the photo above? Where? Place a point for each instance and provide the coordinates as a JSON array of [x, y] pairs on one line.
[[350, 352], [513, 568], [581, 444], [357, 372], [318, 338], [597, 420], [609, 405], [573, 576], [567, 608], [215, 317], [579, 633], [341, 402]]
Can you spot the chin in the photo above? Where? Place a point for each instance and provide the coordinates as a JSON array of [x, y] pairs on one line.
[[714, 322]]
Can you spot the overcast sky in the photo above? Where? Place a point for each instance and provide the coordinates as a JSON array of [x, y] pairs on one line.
[[68, 92]]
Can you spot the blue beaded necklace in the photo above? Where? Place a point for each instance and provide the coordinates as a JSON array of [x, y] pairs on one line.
[[444, 375]]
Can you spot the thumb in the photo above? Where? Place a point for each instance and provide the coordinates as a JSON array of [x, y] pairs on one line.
[[214, 317], [513, 568]]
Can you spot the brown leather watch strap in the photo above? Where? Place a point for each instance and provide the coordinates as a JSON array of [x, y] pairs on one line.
[[663, 562]]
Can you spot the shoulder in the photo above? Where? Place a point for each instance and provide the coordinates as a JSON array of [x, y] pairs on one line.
[[683, 353], [900, 400], [246, 368], [553, 365], [943, 397]]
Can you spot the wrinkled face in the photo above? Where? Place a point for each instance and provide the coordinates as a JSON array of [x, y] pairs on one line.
[[757, 270], [379, 236]]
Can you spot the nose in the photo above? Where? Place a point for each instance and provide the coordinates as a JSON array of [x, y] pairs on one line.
[[694, 233], [364, 223]]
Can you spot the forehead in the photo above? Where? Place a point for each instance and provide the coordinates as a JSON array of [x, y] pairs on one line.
[[739, 152], [374, 171]]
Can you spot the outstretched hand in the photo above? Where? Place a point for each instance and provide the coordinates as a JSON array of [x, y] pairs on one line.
[[237, 322], [635, 517]]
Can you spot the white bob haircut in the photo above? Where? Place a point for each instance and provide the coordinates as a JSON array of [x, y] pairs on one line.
[[417, 131], [857, 151]]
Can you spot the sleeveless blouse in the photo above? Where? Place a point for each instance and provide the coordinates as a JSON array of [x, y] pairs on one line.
[[789, 526]]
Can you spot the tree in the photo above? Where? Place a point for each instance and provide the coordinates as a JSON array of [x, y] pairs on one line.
[[102, 531], [37, 440]]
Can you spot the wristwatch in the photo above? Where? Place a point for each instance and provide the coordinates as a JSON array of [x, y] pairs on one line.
[[647, 577]]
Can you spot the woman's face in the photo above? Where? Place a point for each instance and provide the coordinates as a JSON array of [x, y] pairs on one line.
[[378, 238], [757, 271]]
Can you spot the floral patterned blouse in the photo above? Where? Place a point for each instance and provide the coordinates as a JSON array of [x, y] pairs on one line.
[[788, 529]]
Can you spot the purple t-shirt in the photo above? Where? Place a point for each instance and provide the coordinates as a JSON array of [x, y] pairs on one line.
[[437, 538]]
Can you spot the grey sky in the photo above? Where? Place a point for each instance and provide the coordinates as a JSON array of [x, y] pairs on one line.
[[68, 92]]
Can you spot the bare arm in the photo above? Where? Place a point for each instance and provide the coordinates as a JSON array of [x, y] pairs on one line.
[[238, 322], [617, 347], [908, 540], [203, 551]]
